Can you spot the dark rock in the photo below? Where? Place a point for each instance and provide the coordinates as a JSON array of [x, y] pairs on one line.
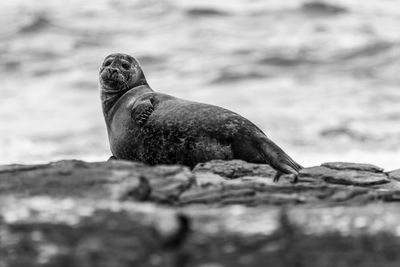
[[395, 175], [314, 174], [20, 167], [43, 231], [168, 182], [255, 194], [343, 176], [74, 213], [235, 168], [295, 236], [103, 180], [352, 166], [207, 178], [139, 189]]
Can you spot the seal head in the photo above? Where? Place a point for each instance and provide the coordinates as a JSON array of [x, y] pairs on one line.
[[118, 74]]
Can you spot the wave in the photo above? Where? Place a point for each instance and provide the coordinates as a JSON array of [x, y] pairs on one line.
[[344, 131], [369, 50], [205, 12], [285, 61], [229, 76], [151, 59], [322, 8], [34, 23]]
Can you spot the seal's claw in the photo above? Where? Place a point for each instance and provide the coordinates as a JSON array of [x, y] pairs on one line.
[[295, 178], [141, 121], [277, 176]]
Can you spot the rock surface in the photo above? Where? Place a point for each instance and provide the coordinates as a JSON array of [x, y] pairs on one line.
[[222, 213]]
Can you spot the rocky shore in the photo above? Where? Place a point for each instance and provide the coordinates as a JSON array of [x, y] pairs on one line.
[[221, 213]]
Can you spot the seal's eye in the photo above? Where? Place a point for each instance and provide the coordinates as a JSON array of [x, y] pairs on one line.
[[126, 66], [107, 63]]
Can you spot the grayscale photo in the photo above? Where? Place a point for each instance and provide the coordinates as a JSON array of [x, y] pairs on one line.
[[180, 133]]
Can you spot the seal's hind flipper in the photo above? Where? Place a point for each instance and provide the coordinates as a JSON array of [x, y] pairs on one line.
[[279, 160], [142, 111]]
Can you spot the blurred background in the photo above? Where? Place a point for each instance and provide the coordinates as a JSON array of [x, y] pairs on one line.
[[322, 79]]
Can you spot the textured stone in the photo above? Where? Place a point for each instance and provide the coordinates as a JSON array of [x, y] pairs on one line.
[[74, 213], [343, 176], [107, 180], [21, 167], [42, 231], [352, 166], [296, 236], [394, 175], [235, 169], [360, 178], [314, 174], [208, 178]]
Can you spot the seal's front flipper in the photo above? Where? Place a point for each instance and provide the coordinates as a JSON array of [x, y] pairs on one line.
[[141, 111]]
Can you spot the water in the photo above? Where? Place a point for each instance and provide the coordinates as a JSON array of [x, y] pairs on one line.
[[322, 80]]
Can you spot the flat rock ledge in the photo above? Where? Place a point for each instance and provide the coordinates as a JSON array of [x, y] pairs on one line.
[[220, 214]]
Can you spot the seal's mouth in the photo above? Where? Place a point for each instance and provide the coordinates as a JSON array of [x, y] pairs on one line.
[[111, 82], [112, 79]]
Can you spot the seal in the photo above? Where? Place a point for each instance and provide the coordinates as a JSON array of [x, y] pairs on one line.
[[157, 128]]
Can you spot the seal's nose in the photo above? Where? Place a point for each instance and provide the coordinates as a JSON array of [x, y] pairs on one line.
[[112, 73]]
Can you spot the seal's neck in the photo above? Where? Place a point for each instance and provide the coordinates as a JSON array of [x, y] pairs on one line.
[[141, 81], [109, 97]]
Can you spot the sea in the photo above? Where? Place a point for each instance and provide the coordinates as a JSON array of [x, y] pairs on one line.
[[320, 78]]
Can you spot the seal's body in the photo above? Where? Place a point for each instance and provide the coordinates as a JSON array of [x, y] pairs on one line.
[[156, 128]]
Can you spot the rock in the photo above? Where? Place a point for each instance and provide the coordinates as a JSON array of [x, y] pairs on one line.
[[204, 178], [42, 231], [96, 180], [20, 167], [352, 166], [223, 213], [234, 169], [394, 175], [314, 174], [296, 236], [338, 173], [137, 189]]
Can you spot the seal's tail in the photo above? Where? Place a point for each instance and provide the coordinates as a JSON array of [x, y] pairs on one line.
[[278, 159]]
